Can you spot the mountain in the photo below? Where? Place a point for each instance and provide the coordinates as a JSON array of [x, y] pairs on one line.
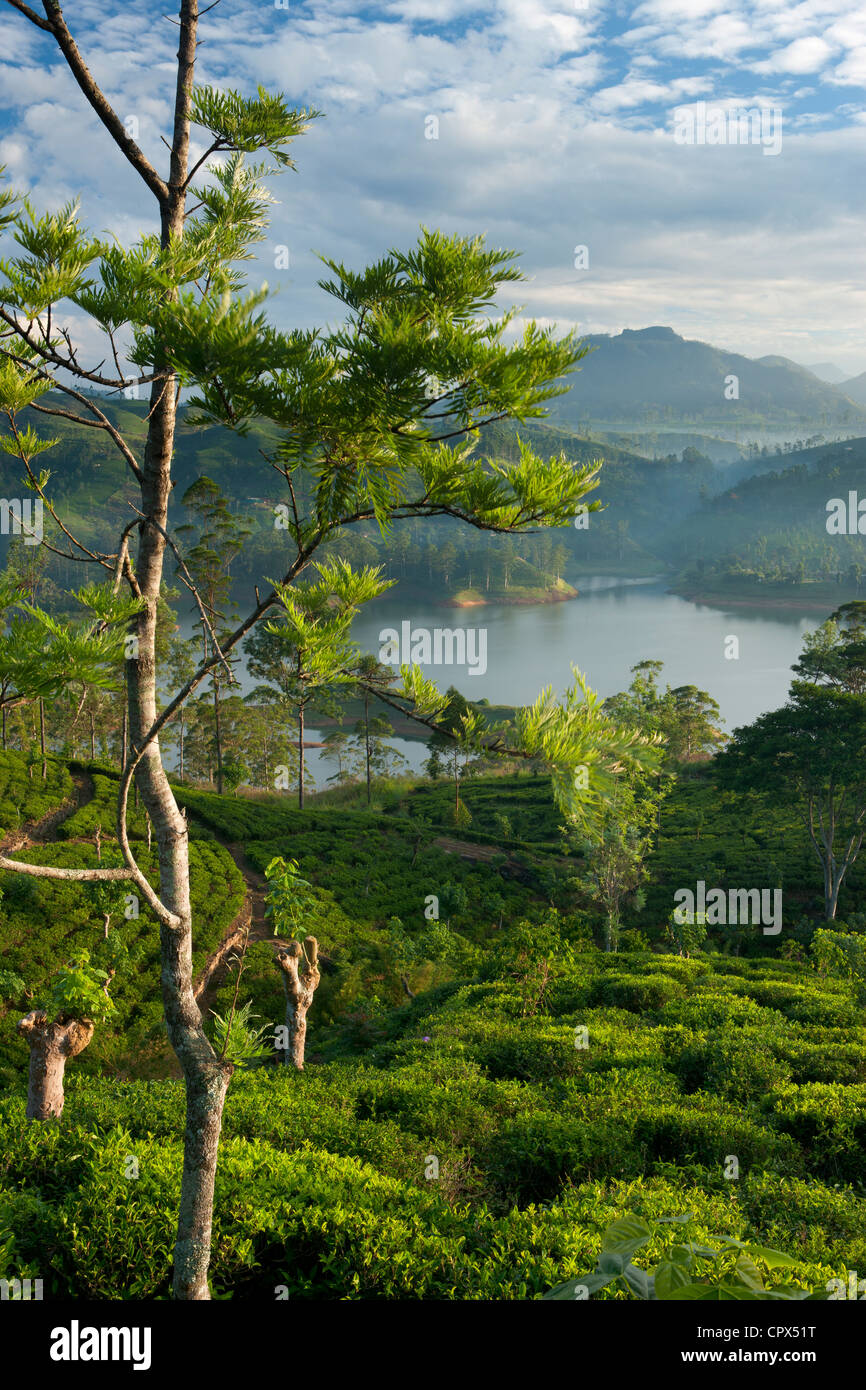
[[855, 389], [825, 371], [653, 375]]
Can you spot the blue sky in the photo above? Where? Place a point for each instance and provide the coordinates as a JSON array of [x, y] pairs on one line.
[[555, 129]]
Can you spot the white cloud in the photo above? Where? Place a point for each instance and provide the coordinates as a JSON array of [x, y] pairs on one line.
[[852, 71], [534, 147], [803, 55]]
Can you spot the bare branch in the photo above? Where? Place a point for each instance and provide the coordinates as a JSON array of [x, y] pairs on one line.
[[190, 584], [101, 422], [78, 875], [48, 353], [212, 149], [157, 906], [56, 25], [31, 15]]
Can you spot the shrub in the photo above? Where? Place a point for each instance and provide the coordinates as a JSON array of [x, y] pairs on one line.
[[640, 994], [743, 1066]]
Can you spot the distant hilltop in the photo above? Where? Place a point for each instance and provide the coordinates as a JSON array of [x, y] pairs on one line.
[[653, 375]]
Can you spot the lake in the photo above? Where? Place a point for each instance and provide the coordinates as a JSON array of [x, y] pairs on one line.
[[612, 625]]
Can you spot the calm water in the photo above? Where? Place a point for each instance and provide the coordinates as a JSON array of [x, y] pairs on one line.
[[608, 629], [612, 625]]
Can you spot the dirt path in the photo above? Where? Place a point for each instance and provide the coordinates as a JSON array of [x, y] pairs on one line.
[[250, 918], [467, 850]]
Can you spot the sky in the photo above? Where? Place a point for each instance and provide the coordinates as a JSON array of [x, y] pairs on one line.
[[558, 123]]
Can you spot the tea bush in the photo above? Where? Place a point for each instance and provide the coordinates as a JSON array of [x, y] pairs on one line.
[[325, 1223], [24, 796]]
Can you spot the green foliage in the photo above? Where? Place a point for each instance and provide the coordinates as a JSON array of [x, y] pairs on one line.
[[287, 899], [677, 1275], [321, 1188], [639, 995], [236, 1040], [686, 718], [839, 953], [687, 930], [12, 986], [741, 1067], [248, 124], [77, 990], [23, 794], [43, 655]]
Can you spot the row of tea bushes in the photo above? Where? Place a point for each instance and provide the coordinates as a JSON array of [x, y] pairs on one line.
[[292, 1216], [42, 921]]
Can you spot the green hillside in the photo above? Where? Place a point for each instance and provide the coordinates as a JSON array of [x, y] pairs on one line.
[[771, 528], [541, 1134]]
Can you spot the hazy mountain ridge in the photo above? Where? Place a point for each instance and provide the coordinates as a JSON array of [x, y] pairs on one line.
[[654, 373]]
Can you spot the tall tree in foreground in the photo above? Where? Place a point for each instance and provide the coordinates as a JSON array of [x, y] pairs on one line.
[[60, 269], [363, 438]]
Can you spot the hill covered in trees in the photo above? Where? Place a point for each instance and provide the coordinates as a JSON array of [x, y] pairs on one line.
[[653, 376]]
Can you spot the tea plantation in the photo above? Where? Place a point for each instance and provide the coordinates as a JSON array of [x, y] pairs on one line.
[[474, 1114]]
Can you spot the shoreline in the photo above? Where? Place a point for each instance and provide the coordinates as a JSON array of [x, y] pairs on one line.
[[509, 602], [753, 601], [505, 601]]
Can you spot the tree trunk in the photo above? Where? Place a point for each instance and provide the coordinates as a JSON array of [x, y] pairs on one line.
[[92, 738], [206, 1078], [301, 757], [42, 737], [300, 968], [367, 740], [218, 736], [50, 1046], [832, 884], [610, 933]]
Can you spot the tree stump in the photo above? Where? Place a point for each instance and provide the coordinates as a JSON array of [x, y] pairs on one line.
[[300, 968], [51, 1044]]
